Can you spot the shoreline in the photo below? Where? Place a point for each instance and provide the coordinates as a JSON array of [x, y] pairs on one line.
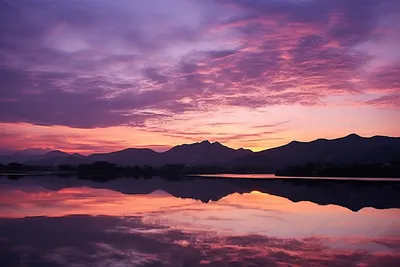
[[259, 176]]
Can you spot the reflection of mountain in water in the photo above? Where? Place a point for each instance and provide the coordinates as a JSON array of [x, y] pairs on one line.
[[353, 195]]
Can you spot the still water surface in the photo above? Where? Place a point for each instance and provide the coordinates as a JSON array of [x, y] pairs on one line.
[[49, 221], [273, 176]]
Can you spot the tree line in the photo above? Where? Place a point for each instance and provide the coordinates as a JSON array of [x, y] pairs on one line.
[[373, 170]]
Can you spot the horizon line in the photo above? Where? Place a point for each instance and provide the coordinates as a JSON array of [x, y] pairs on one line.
[[149, 147]]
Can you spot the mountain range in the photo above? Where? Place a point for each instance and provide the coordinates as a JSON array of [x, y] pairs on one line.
[[346, 150]]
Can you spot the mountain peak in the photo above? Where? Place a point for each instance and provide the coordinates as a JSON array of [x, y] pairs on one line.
[[244, 150], [56, 153], [353, 135], [206, 142], [34, 151], [294, 142], [217, 143]]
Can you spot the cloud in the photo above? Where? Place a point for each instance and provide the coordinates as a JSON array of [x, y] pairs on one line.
[[154, 75], [23, 136], [387, 101], [271, 125], [99, 63], [223, 137], [218, 54], [305, 47], [48, 98]]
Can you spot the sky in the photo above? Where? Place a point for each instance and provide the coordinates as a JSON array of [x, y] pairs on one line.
[[96, 76]]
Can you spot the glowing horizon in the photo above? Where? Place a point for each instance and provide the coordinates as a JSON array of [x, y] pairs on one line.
[[99, 76]]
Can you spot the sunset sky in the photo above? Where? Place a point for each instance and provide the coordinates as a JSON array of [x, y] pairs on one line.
[[97, 75]]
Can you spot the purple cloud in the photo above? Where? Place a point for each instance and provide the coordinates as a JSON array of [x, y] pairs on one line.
[[100, 63], [391, 101]]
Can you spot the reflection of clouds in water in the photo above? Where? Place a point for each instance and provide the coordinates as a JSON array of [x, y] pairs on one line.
[[238, 214], [104, 255], [91, 241], [125, 229], [260, 213], [239, 229]]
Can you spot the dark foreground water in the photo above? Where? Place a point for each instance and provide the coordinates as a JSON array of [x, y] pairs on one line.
[[49, 221]]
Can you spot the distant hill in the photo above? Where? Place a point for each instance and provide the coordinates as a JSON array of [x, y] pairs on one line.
[[346, 150], [22, 157], [196, 154], [26, 152], [204, 153], [54, 158], [129, 156]]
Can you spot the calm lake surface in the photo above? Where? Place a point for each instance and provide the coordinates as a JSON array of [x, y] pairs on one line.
[[51, 221], [273, 176]]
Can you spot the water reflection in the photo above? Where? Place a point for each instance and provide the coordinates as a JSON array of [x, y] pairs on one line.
[[111, 228], [353, 195], [273, 176]]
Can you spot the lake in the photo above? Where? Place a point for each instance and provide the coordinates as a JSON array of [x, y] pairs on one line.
[[273, 176], [52, 221]]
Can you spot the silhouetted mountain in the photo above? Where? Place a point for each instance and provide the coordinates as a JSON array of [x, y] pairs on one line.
[[129, 156], [346, 150], [21, 157], [55, 153], [59, 159], [26, 152], [204, 153]]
